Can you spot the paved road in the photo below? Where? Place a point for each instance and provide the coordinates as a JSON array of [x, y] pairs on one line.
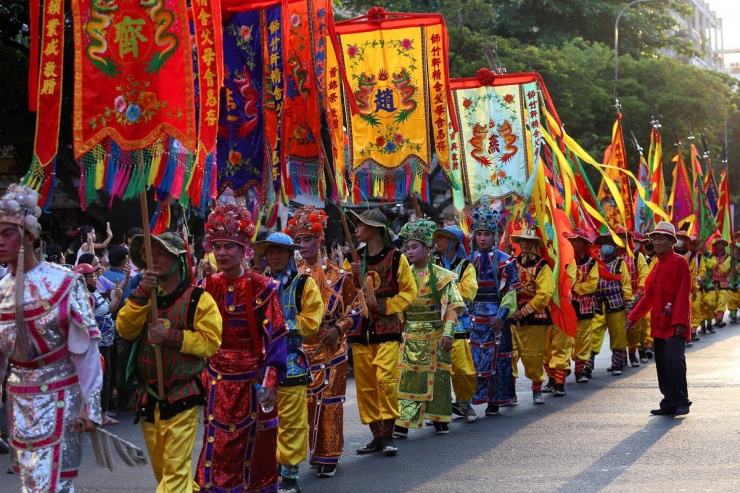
[[600, 437]]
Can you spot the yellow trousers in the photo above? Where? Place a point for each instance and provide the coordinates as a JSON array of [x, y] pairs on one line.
[[614, 322], [558, 349], [376, 380], [721, 303], [708, 304], [170, 445], [463, 370], [646, 337], [636, 336], [582, 342], [696, 310], [733, 300], [292, 436], [529, 346]]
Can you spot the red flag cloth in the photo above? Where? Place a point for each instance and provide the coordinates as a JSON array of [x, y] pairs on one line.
[[134, 74], [682, 200]]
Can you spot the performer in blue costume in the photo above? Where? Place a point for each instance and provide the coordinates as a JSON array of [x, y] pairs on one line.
[[490, 337]]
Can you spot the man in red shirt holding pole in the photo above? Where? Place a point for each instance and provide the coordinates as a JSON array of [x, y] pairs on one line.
[[668, 300]]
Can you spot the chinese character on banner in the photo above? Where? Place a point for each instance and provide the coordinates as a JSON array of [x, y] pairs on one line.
[[396, 85], [306, 59], [249, 128], [135, 117], [492, 149]]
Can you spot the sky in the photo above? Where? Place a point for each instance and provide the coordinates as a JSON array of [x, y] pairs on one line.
[[729, 12]]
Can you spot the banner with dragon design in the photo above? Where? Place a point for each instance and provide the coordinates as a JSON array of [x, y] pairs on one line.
[[396, 90], [249, 143], [306, 59], [135, 118], [499, 122]]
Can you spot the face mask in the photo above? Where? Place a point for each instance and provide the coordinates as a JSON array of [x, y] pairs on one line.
[[607, 249], [680, 244]]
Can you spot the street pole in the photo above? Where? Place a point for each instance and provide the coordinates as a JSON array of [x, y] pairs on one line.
[[616, 37]]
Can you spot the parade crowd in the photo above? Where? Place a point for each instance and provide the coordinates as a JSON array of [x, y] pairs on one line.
[[261, 339]]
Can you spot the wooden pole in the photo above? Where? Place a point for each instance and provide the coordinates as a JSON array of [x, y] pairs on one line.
[[153, 317], [345, 226]]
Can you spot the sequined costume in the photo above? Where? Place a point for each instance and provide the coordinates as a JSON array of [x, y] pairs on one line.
[[424, 385], [498, 281], [329, 363], [49, 381], [240, 439]]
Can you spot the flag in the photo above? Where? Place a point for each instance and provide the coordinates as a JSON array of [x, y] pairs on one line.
[[710, 188], [681, 202], [705, 225], [615, 157], [394, 71], [493, 150], [641, 210], [657, 183], [724, 219]]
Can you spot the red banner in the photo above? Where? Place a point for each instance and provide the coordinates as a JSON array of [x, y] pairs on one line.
[[134, 74]]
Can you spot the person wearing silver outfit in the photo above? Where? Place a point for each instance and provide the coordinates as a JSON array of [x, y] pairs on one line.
[[49, 335]]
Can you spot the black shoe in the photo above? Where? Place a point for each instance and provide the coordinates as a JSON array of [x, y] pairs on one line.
[[634, 361], [389, 447], [375, 446], [289, 485], [689, 344], [559, 390], [456, 410], [663, 412], [581, 378], [537, 397], [492, 410], [616, 373], [441, 428], [712, 330], [327, 471], [719, 323], [681, 410], [703, 330], [400, 432], [623, 364], [643, 356], [649, 353], [588, 371], [549, 386], [695, 337]]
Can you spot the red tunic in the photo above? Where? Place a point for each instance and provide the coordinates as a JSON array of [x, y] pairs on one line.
[[669, 282]]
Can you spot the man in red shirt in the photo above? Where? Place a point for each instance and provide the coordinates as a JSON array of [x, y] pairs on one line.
[[668, 300]]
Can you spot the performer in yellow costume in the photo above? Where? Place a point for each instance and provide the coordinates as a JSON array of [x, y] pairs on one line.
[[303, 309], [450, 242], [532, 315], [733, 295], [327, 349], [188, 331], [720, 277], [708, 291], [638, 269], [614, 296], [584, 275], [683, 248], [375, 343], [424, 386]]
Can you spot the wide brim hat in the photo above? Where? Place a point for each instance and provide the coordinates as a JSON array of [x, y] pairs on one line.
[[278, 239], [172, 242], [578, 233], [528, 234], [451, 232], [637, 236], [683, 234], [371, 217], [664, 228], [719, 239], [601, 238]]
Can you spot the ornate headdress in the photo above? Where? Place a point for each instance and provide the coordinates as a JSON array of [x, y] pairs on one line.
[[308, 220], [419, 229], [487, 216], [19, 206], [229, 222]]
